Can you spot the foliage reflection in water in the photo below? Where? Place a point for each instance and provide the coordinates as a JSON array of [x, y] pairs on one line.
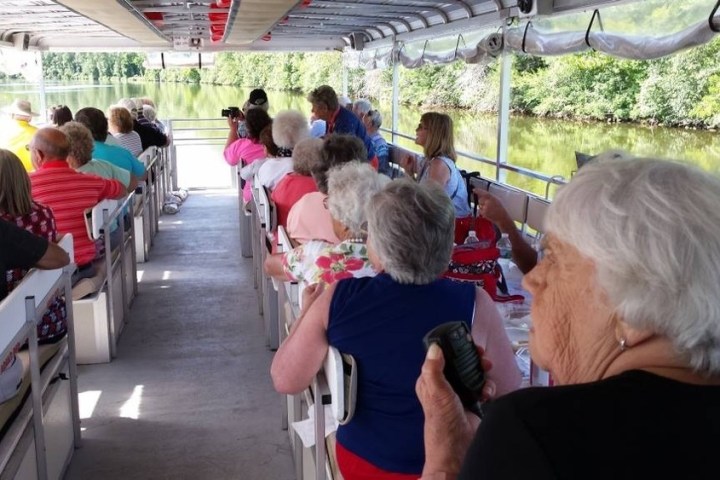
[[544, 145]]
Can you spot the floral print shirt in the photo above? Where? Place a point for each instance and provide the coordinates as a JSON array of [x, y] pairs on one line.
[[321, 262]]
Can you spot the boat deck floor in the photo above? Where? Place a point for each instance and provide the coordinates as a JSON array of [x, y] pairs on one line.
[[189, 395]]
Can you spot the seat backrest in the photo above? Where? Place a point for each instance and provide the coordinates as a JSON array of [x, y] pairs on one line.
[[514, 201], [341, 374], [97, 219], [263, 208], [537, 207], [479, 183]]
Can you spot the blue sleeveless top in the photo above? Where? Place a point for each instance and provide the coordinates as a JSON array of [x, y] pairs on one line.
[[455, 187], [382, 323]]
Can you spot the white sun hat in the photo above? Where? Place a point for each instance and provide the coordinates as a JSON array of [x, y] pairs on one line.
[[21, 107]]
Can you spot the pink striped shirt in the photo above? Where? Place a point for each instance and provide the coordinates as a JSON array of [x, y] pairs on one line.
[[70, 194]]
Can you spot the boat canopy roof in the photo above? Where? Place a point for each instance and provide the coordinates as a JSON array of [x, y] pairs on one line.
[[378, 28]]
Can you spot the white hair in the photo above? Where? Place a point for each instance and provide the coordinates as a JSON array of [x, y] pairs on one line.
[[289, 127], [129, 105], [411, 229], [350, 187], [652, 227], [149, 112], [375, 118], [362, 105]]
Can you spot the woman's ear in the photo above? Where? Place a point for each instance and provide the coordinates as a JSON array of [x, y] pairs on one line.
[[630, 336]]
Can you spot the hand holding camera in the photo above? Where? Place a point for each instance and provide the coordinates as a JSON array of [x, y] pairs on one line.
[[233, 114]]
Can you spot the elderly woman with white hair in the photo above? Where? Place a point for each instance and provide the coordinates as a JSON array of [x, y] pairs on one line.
[[627, 321], [381, 322], [288, 128], [373, 121], [350, 187]]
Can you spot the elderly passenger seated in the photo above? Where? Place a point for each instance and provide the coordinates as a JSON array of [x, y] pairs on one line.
[[373, 121], [297, 183], [350, 188], [68, 193], [80, 156], [288, 128], [120, 126], [381, 322], [60, 115], [626, 320], [308, 219], [18, 207]]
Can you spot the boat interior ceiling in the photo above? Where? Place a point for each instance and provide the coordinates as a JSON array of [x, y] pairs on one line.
[[253, 25]]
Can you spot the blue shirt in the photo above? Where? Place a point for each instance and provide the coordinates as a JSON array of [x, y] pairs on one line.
[[119, 157], [382, 323], [383, 153], [455, 187], [346, 122]]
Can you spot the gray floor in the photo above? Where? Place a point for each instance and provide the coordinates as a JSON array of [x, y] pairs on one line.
[[195, 344]]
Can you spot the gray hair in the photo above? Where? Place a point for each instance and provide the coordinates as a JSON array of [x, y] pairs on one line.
[[81, 142], [149, 112], [375, 118], [652, 227], [129, 105], [362, 105], [289, 127], [411, 229], [350, 187], [305, 154]]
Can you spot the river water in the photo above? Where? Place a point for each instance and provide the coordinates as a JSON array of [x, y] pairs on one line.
[[544, 145]]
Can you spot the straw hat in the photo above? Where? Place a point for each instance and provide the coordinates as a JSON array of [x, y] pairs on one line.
[[21, 107]]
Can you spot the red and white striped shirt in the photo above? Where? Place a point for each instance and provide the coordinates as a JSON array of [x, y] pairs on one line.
[[70, 194]]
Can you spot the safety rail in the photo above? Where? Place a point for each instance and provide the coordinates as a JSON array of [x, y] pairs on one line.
[[499, 166], [49, 398]]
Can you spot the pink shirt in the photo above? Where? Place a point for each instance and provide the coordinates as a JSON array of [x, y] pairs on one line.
[[288, 191], [310, 220], [247, 151]]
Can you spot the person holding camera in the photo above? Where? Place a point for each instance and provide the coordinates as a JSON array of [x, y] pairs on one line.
[[626, 320], [244, 151], [381, 322]]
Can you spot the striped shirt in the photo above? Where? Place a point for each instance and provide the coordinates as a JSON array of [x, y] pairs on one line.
[[130, 141], [70, 194]]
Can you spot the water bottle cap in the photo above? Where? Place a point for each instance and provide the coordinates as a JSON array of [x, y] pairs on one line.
[[471, 233], [505, 235]]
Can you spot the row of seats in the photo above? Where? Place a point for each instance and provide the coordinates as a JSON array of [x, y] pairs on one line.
[[102, 302], [40, 425]]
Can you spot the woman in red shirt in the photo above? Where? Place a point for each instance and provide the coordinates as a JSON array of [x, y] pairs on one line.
[[299, 182]]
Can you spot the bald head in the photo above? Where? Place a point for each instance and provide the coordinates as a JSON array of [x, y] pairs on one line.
[[49, 144]]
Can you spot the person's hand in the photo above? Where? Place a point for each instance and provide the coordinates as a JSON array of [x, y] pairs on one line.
[[449, 429], [409, 164], [491, 208], [232, 122], [310, 294]]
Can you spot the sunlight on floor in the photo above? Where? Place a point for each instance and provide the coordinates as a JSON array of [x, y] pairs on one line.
[[131, 408], [140, 274], [88, 401]]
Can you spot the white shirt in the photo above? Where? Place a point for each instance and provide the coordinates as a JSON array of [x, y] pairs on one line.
[[273, 170]]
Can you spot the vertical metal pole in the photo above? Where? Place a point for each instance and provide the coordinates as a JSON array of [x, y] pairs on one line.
[[72, 366], [503, 131], [344, 77], [43, 100], [36, 382], [319, 411], [112, 345], [395, 96]]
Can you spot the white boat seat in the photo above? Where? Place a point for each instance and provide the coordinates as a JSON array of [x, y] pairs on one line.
[[537, 208], [514, 201], [341, 374]]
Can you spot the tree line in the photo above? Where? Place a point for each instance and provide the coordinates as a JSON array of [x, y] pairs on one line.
[[680, 90]]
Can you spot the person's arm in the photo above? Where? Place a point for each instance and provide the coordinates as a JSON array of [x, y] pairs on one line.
[[54, 257], [275, 267], [301, 355], [488, 332], [138, 168], [448, 428], [111, 189], [133, 183], [438, 172], [232, 133], [22, 249], [523, 254], [409, 163]]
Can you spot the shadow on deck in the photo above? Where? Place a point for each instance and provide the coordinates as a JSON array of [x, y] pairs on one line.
[[189, 395]]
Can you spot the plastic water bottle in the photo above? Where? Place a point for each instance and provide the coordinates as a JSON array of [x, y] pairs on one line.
[[471, 238], [504, 246]]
